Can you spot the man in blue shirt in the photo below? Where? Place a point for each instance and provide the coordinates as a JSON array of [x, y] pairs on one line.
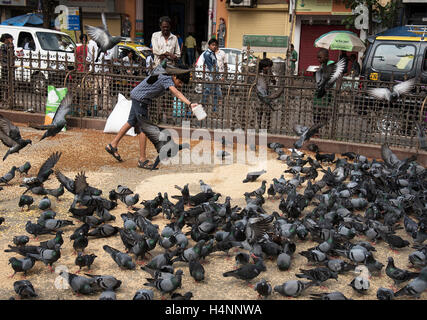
[[211, 64], [141, 96]]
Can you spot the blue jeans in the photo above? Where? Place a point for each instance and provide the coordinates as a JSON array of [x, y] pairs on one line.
[[211, 88], [190, 56]]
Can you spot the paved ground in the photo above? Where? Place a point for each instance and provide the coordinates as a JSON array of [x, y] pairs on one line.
[[83, 150]]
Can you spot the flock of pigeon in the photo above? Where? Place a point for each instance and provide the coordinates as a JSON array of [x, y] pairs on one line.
[[354, 197]]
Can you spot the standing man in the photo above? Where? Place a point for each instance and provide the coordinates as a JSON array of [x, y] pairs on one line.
[[222, 29], [211, 65], [293, 58], [165, 44], [190, 44], [126, 27]]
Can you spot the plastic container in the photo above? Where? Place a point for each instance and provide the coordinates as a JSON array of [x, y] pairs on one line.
[[199, 112]]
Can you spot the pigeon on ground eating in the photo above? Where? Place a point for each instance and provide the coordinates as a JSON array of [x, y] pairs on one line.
[[196, 270], [11, 137], [6, 178], [104, 231], [105, 282], [143, 294], [336, 295], [50, 244], [293, 288], [102, 37], [44, 203], [108, 295], [84, 260], [162, 141], [166, 285], [416, 287], [24, 168], [21, 265], [79, 284], [36, 229], [123, 260], [398, 275], [20, 240], [361, 282], [24, 289], [25, 200], [263, 288], [385, 294], [248, 271], [319, 274]]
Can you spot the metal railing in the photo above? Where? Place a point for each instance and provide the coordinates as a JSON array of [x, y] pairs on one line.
[[350, 114]]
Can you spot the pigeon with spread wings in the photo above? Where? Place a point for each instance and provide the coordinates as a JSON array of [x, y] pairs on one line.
[[102, 37], [326, 76], [11, 137], [391, 95], [162, 141], [58, 122]]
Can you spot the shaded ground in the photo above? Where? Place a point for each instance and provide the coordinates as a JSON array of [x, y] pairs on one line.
[[83, 150]]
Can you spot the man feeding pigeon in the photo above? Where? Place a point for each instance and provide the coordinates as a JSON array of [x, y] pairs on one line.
[[162, 79]]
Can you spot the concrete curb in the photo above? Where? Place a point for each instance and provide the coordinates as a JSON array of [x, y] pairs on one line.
[[328, 146]]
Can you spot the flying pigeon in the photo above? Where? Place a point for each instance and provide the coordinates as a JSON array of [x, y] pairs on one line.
[[102, 37], [11, 137], [326, 76], [305, 133], [398, 90]]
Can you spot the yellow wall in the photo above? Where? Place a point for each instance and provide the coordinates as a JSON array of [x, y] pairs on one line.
[[256, 22]]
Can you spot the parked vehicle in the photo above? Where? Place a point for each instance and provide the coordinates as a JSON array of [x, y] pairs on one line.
[[395, 55], [41, 48]]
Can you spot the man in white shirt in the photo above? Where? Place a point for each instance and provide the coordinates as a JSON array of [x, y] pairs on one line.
[[164, 43], [221, 59], [102, 81]]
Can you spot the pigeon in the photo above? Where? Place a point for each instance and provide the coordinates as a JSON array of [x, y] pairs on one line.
[[252, 176], [47, 256], [55, 224], [21, 265], [293, 288], [123, 260], [391, 160], [205, 187], [130, 200], [20, 240], [394, 241], [338, 265], [80, 241], [263, 288], [196, 270], [319, 274], [43, 174], [104, 231], [326, 76], [361, 282], [25, 200], [336, 295], [284, 261], [144, 294], [305, 133], [24, 289], [50, 244], [36, 229], [398, 275], [108, 295], [397, 91], [45, 203], [248, 271], [24, 168], [84, 260], [167, 285], [385, 294], [79, 284], [56, 192], [8, 176], [102, 37], [162, 141], [105, 282], [58, 122], [11, 137], [416, 287]]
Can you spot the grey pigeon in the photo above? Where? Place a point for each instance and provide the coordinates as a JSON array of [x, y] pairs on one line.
[[105, 282], [55, 224], [305, 134], [293, 288], [104, 231], [24, 289], [102, 37], [11, 137], [205, 187], [24, 168], [178, 296], [20, 240], [43, 174], [21, 265], [58, 122], [398, 90], [25, 200], [284, 261], [416, 287], [36, 229], [398, 275], [167, 285], [327, 75], [123, 260], [6, 178], [79, 284], [47, 256], [51, 244], [385, 294], [319, 274], [84, 260], [196, 270], [144, 294], [44, 203], [248, 271]]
